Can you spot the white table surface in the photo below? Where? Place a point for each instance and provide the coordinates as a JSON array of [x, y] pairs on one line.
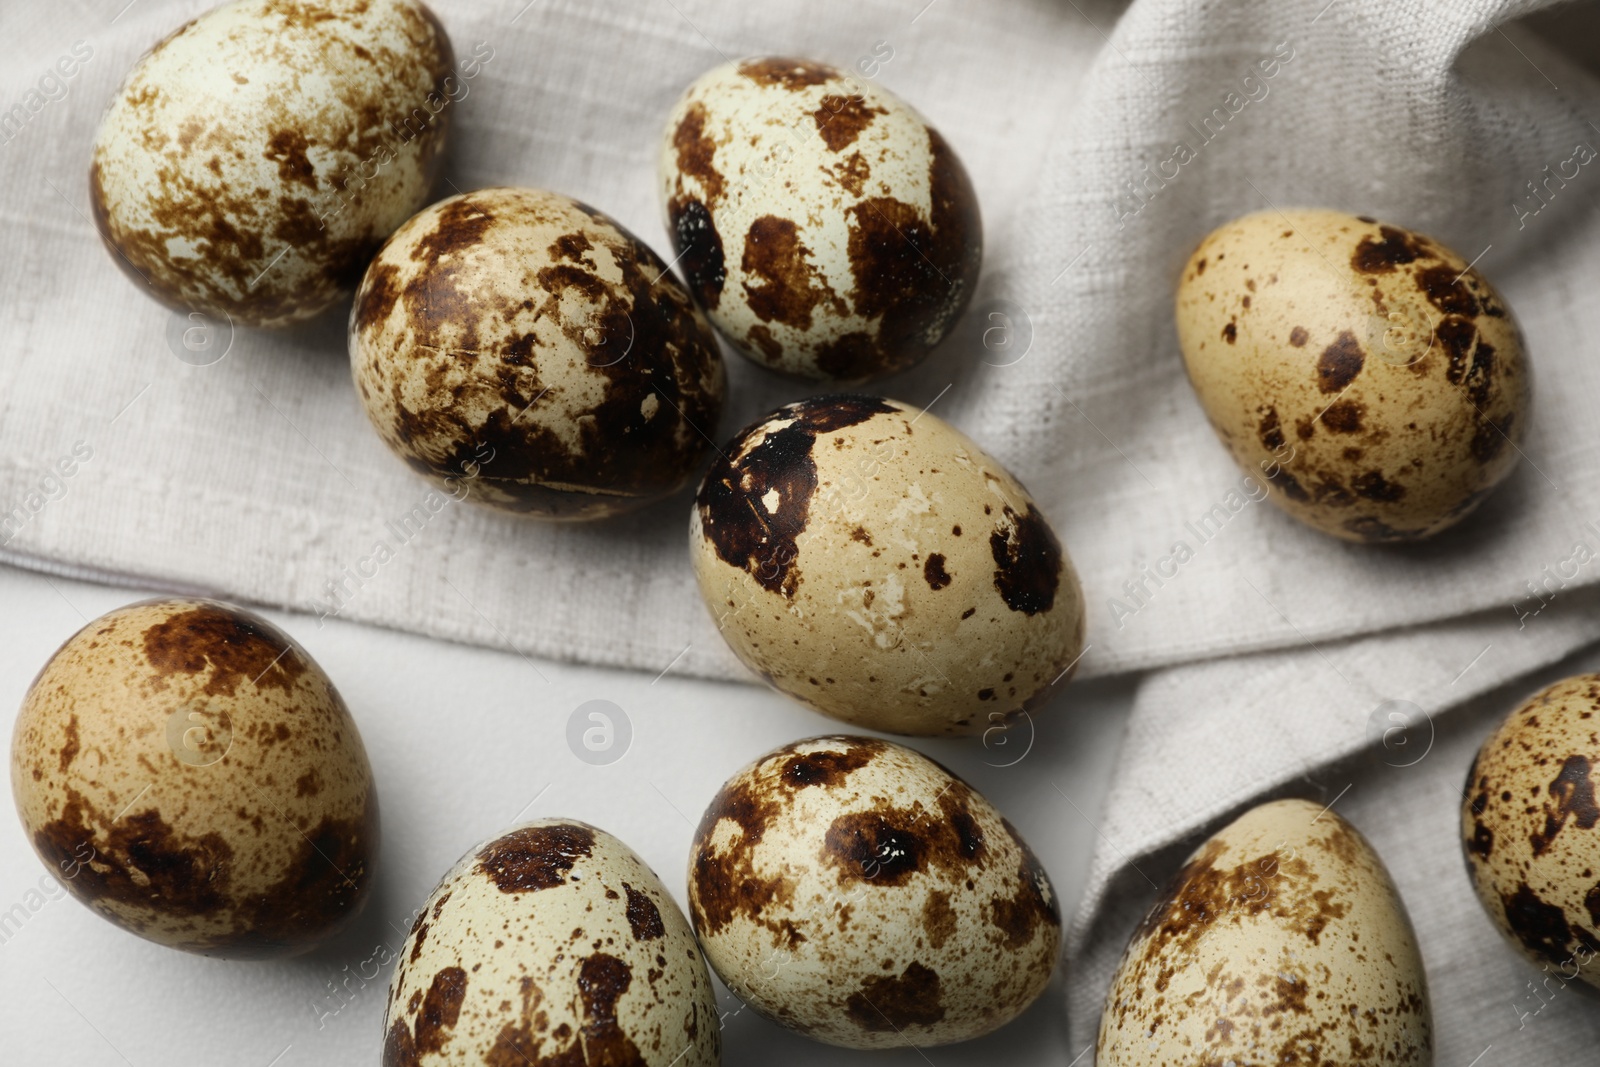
[[463, 742]]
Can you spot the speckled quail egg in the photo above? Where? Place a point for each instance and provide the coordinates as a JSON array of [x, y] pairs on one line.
[[254, 160], [1531, 828], [185, 769], [861, 894], [1282, 940], [552, 944], [1372, 376], [872, 562], [527, 343], [825, 227]]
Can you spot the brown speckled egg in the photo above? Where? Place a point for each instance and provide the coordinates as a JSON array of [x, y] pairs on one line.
[[552, 944], [254, 160], [1531, 828], [861, 894], [186, 770], [872, 562], [825, 227], [1375, 381], [526, 344], [1282, 940]]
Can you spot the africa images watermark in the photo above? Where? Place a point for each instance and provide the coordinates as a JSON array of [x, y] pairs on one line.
[[52, 86], [1137, 193], [48, 489]]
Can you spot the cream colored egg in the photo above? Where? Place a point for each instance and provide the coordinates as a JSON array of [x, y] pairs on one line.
[[1531, 828], [254, 160], [825, 227], [860, 894], [1282, 940], [185, 769], [552, 944], [1368, 374], [521, 346], [869, 560]]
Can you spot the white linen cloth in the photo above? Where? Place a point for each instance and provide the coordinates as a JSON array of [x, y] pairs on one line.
[[258, 478]]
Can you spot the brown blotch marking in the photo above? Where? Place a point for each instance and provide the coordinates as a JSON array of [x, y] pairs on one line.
[[860, 534], [699, 248], [827, 768], [726, 884], [841, 119], [1571, 797], [1339, 363], [1440, 285], [1230, 333], [852, 172], [441, 1007], [1372, 485], [1270, 431], [535, 857], [1344, 416], [234, 645], [643, 915], [938, 918], [287, 148], [1481, 843], [1542, 928], [1393, 248], [916, 273], [935, 574], [791, 288], [785, 73], [308, 784], [1027, 560], [894, 1002], [1490, 438], [732, 512], [696, 151], [69, 744], [1298, 337], [851, 357], [1591, 904]]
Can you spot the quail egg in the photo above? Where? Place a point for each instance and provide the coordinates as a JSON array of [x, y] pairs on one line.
[[254, 160], [828, 230], [185, 769], [1371, 375], [869, 560], [861, 894]]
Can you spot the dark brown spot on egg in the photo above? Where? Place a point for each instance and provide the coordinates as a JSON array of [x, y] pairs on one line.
[[1481, 843], [1371, 485], [1392, 248], [894, 1002], [1542, 928], [1298, 337], [934, 573], [287, 148], [735, 497], [232, 644], [1270, 431], [644, 918], [1339, 363], [699, 247], [441, 1008], [535, 857], [1027, 560], [939, 919], [1571, 797], [827, 768], [1230, 333], [841, 119], [1344, 416], [1490, 438], [724, 883], [696, 151], [881, 847], [1445, 287], [69, 744], [789, 287], [783, 72]]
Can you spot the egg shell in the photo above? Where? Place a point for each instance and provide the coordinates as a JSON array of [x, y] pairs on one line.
[[1371, 378], [869, 560], [522, 346], [861, 894], [253, 161], [1282, 940], [1530, 828], [551, 944], [187, 770], [825, 227]]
